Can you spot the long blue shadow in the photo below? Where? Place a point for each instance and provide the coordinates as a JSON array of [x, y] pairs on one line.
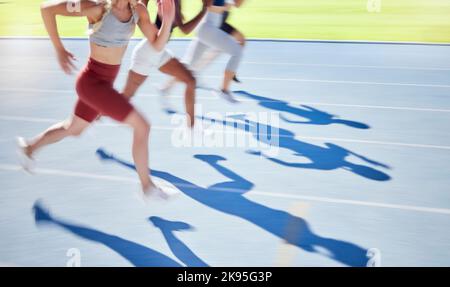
[[178, 248], [228, 198], [330, 157], [312, 115], [138, 255]]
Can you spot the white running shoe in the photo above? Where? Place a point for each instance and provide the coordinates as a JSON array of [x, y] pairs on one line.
[[154, 193], [25, 161], [164, 99], [228, 96]]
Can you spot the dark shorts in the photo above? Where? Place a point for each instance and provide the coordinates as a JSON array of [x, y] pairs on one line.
[[227, 28], [96, 94]]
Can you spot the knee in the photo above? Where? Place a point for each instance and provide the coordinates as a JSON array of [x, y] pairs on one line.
[[240, 39], [144, 127], [74, 131], [237, 51], [242, 42], [189, 80]]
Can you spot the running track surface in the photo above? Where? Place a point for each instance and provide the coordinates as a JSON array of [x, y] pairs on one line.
[[363, 163]]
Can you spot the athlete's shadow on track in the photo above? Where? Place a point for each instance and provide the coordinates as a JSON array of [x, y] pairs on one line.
[[228, 198], [330, 157], [178, 248], [137, 254], [313, 115]]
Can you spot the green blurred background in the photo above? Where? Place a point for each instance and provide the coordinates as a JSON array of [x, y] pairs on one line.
[[398, 20]]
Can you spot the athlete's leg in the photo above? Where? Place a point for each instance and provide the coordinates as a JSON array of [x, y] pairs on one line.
[[142, 59], [141, 133], [193, 54], [134, 81], [73, 126], [101, 96], [177, 70], [238, 36], [218, 39]]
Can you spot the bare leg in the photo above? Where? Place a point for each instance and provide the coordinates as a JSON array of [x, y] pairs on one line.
[[134, 81], [73, 126], [177, 70], [141, 132], [193, 54], [228, 77], [239, 37]]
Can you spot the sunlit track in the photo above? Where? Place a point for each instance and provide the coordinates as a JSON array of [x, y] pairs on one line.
[[57, 172], [363, 138], [31, 92], [171, 128]]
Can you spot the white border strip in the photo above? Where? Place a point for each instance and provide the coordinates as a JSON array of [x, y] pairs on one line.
[[16, 168], [256, 40]]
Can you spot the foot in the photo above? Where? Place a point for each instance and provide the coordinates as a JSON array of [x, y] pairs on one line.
[[25, 157], [235, 79], [228, 96], [153, 192], [164, 99]]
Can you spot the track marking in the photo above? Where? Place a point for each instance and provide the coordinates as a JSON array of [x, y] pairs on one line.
[[171, 128], [286, 251], [346, 66], [298, 80], [16, 168], [340, 82], [412, 68], [375, 142], [212, 98]]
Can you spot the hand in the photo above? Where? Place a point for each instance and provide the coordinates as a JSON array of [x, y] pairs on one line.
[[65, 59], [207, 3], [168, 10]]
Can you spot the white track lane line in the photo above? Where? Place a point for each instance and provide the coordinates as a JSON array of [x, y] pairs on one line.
[[171, 128], [290, 80], [31, 92], [413, 68], [16, 168], [347, 66]]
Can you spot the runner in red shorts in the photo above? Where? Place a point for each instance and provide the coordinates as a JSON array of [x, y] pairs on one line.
[[111, 23]]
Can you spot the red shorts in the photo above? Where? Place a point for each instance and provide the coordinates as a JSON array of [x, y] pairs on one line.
[[96, 94]]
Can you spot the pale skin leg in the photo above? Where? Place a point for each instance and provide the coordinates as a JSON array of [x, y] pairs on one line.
[[175, 69], [209, 58], [75, 126], [141, 133]]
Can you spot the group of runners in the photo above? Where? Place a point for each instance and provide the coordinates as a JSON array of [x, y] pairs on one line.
[[111, 25]]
